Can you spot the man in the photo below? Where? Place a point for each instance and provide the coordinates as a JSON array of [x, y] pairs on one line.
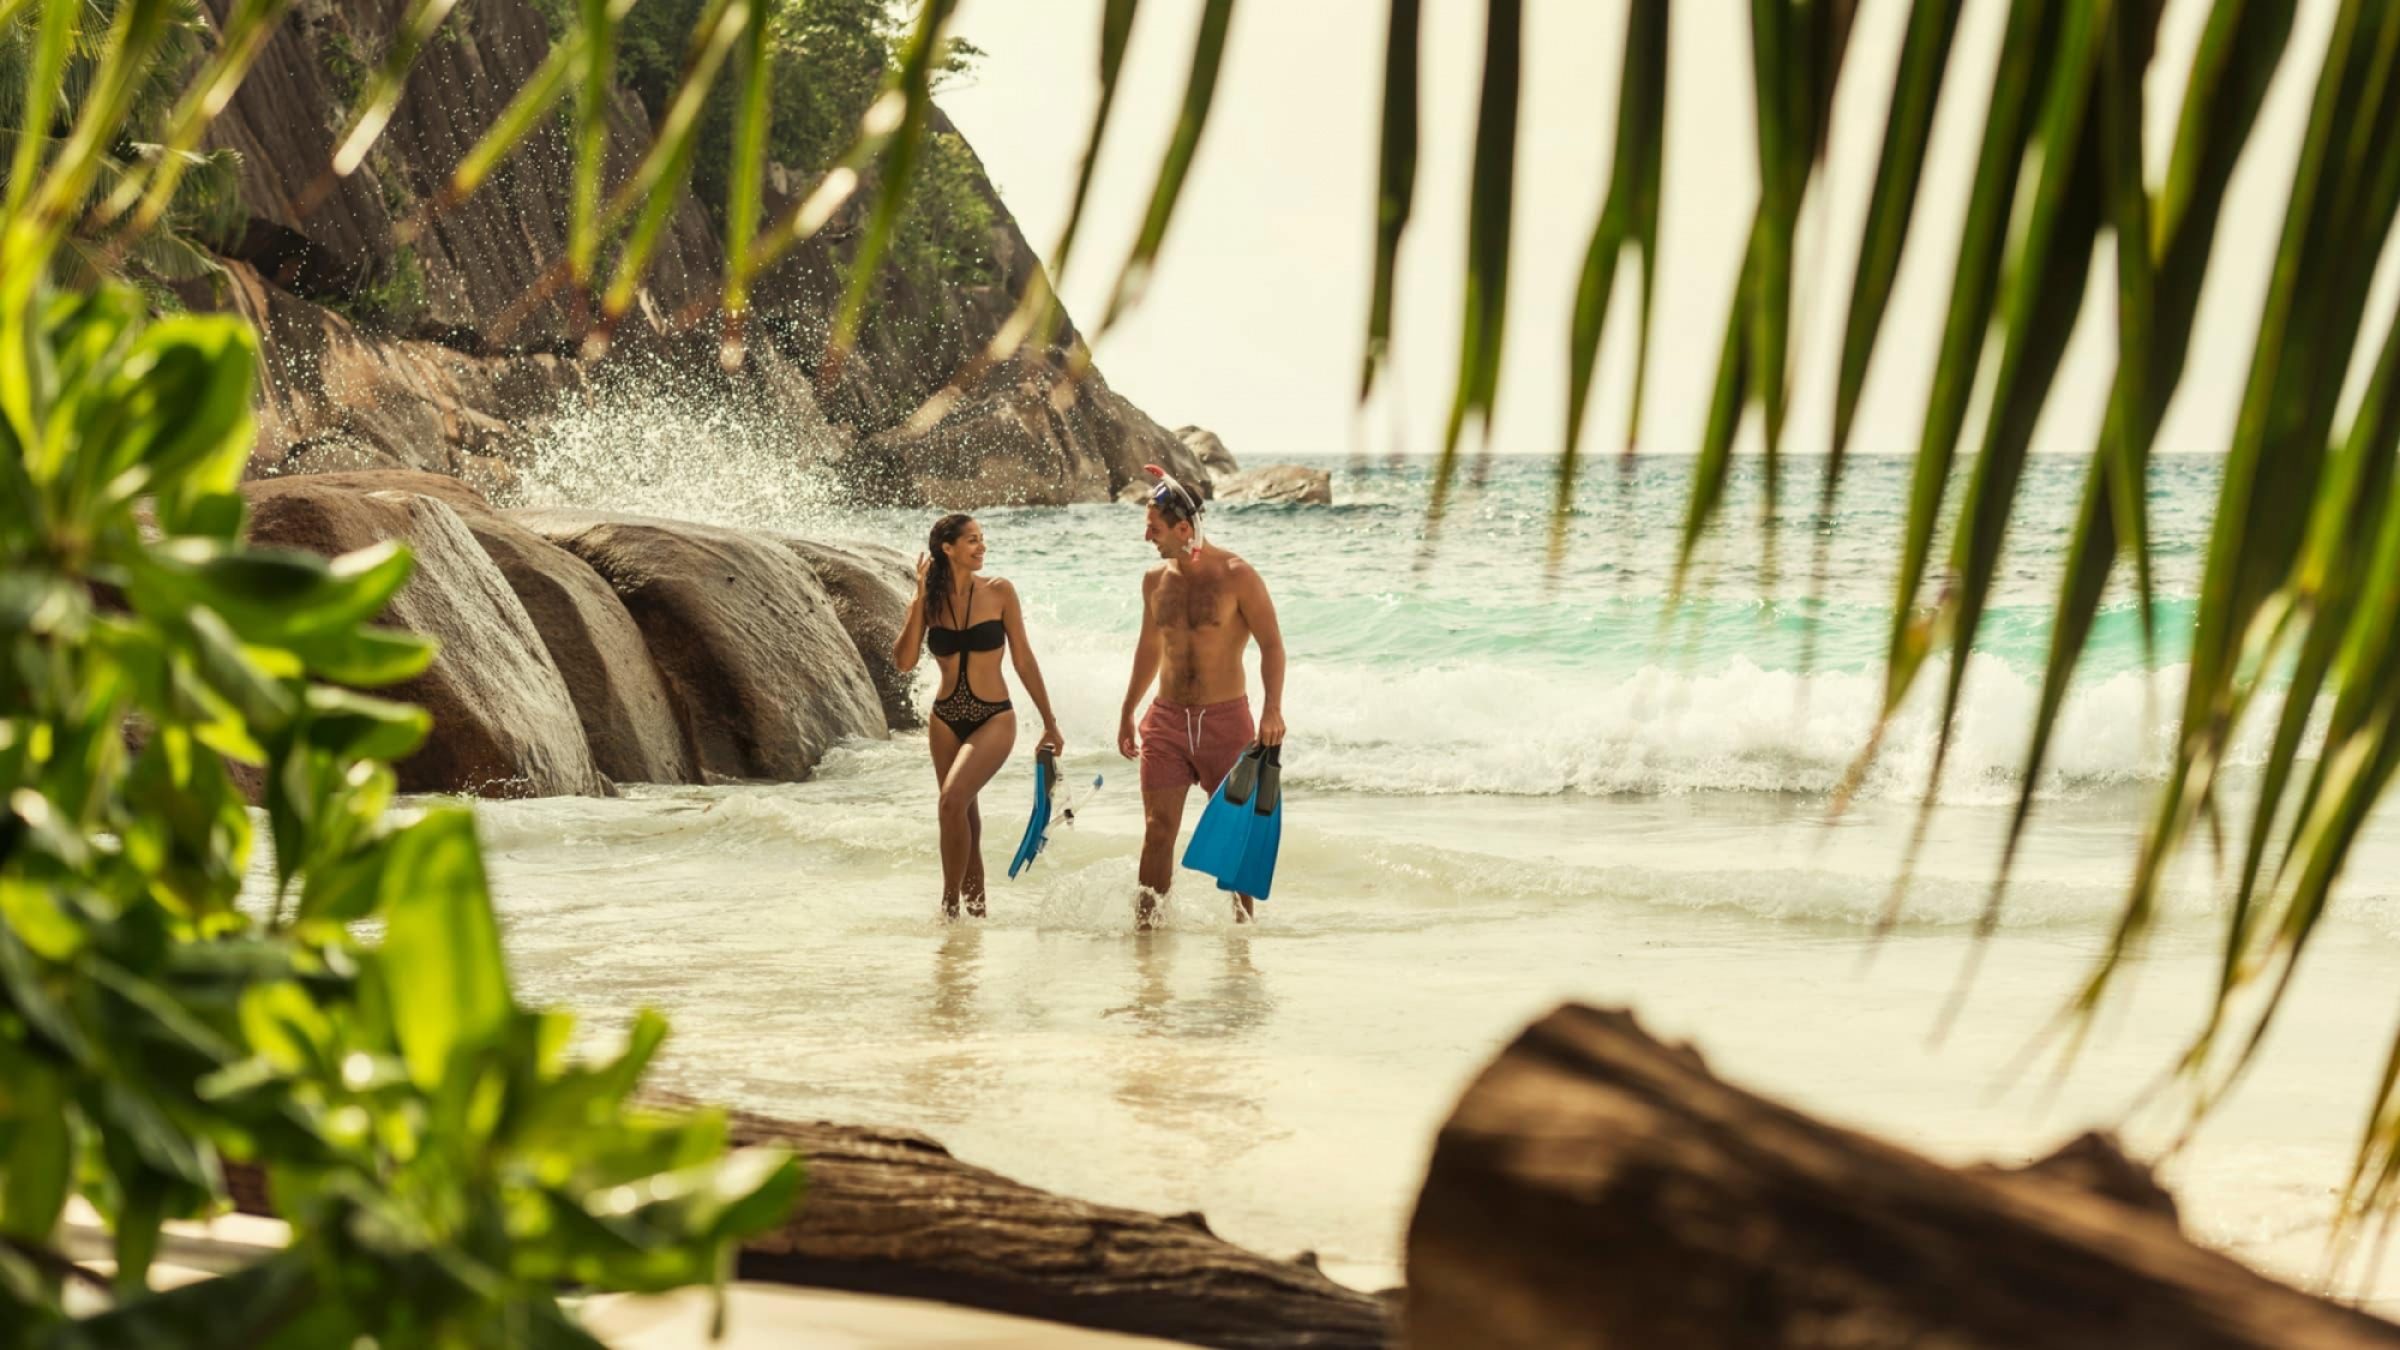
[[1201, 607]]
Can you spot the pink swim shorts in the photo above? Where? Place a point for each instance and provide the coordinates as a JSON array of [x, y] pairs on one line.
[[1193, 747]]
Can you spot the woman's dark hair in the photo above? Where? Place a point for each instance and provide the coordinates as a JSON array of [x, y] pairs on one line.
[[937, 572]]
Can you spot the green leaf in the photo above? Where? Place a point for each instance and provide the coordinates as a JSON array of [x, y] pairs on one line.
[[1628, 218], [1199, 92], [441, 949], [656, 180], [243, 1308], [2024, 46], [2237, 56], [42, 75], [525, 111], [755, 80], [898, 119], [1490, 207], [382, 94], [185, 393], [1908, 129], [33, 913], [1395, 176], [265, 704], [2044, 294], [352, 726], [36, 1158], [269, 595], [364, 657], [285, 1027]]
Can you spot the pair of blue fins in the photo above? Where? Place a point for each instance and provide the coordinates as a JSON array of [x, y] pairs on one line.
[[1241, 828], [1239, 834]]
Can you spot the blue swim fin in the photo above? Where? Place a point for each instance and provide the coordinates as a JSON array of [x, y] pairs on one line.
[[1037, 830], [1253, 871], [1224, 827]]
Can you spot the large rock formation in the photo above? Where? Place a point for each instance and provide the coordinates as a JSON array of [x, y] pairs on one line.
[[458, 274], [504, 722], [752, 648], [871, 586], [397, 336]]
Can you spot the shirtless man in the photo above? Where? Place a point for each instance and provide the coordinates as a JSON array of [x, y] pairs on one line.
[[1200, 608]]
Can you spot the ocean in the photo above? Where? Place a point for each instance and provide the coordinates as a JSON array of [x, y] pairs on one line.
[[1506, 787]]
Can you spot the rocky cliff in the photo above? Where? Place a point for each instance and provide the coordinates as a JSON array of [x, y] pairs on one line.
[[395, 337]]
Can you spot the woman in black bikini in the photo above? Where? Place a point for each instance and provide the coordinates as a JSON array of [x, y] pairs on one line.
[[971, 733]]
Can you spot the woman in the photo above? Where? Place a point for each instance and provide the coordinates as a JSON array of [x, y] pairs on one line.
[[965, 619]]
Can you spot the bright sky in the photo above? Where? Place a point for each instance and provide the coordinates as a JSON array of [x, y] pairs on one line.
[[1253, 324]]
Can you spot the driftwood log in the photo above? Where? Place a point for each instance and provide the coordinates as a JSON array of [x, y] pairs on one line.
[[1598, 1188], [892, 1212]]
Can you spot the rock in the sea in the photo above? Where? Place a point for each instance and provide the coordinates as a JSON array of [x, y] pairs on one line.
[[750, 643], [1209, 450], [629, 720], [1286, 484], [871, 586], [504, 724]]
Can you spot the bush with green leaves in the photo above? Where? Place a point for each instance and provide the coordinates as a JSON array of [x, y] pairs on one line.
[[339, 1019], [832, 57], [206, 204]]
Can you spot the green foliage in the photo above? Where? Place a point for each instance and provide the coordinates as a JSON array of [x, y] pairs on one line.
[[447, 1167], [946, 232], [831, 58], [206, 204], [394, 300], [345, 66]]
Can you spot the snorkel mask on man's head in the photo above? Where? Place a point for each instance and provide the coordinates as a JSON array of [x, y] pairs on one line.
[[1176, 503]]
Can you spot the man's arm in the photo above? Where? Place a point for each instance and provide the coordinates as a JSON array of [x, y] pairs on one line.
[[1145, 669], [1258, 610]]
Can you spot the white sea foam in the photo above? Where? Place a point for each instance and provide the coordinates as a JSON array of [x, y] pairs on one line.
[[1739, 727]]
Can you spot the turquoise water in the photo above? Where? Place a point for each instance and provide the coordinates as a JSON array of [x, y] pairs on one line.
[[1505, 788]]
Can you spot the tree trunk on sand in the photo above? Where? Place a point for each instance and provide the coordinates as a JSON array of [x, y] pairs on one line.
[[891, 1212], [1598, 1188]]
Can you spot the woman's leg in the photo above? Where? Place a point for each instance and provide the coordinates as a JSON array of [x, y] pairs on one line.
[[972, 766], [970, 886], [945, 744]]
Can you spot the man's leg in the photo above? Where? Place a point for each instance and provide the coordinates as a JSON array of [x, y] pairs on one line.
[[1162, 816]]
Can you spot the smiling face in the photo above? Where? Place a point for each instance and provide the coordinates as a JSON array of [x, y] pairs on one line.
[[1170, 535], [966, 551]]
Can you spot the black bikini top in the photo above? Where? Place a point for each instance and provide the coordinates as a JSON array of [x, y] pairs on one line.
[[981, 637]]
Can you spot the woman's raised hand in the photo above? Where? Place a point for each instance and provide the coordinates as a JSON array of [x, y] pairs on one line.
[[924, 565]]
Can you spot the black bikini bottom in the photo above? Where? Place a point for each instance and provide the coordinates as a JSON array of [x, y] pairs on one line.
[[964, 713]]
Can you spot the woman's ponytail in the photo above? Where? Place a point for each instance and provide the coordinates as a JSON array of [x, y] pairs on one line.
[[937, 571]]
